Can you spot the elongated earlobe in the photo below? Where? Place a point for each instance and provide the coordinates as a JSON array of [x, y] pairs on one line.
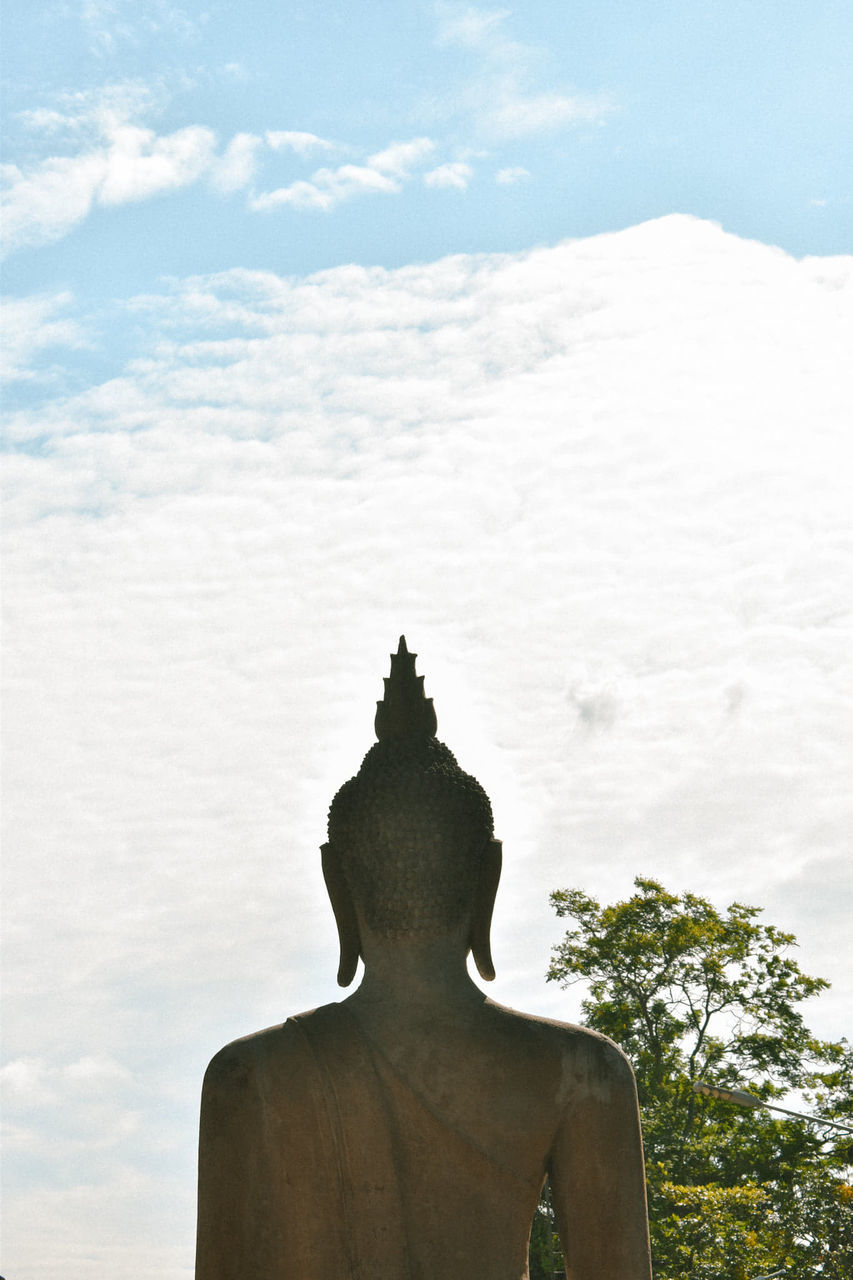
[[481, 923], [345, 917]]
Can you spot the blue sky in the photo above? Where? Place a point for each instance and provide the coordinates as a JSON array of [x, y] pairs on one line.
[[616, 112], [525, 332]]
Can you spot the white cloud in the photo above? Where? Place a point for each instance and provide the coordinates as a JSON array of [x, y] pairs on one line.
[[236, 71], [510, 176], [117, 160], [26, 1080], [327, 188], [140, 165], [46, 120], [121, 163], [455, 174], [97, 1071], [235, 168], [133, 163], [400, 157], [34, 1082], [470, 27], [31, 325], [44, 204], [293, 140], [99, 18], [92, 114], [111, 24], [601, 486], [96, 1231], [515, 114], [383, 174], [502, 94]]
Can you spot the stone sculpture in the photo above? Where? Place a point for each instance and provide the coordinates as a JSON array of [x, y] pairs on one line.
[[406, 1132]]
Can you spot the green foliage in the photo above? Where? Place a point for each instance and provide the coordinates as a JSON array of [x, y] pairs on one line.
[[707, 1232], [546, 1259], [692, 994]]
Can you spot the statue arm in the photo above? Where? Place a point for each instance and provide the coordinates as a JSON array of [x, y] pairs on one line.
[[268, 1198], [597, 1176], [227, 1173]]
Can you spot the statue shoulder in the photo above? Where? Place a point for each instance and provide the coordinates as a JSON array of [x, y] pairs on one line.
[[279, 1051], [585, 1057]]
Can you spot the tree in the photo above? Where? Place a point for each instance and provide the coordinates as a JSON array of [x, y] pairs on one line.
[[545, 1255], [692, 994]]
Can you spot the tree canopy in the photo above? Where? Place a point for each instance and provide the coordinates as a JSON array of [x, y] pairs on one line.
[[694, 994]]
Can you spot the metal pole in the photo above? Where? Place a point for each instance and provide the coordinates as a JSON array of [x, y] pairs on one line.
[[743, 1099]]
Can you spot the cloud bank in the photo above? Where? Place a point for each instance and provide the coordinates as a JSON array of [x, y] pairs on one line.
[[602, 489]]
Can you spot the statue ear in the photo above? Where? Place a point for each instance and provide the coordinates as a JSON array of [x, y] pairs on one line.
[[481, 924], [345, 917]]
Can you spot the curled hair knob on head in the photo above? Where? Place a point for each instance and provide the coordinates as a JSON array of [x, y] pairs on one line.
[[405, 711]]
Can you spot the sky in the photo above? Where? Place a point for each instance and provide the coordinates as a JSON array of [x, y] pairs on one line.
[[524, 332]]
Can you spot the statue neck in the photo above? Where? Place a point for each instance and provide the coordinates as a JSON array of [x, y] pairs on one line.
[[416, 975]]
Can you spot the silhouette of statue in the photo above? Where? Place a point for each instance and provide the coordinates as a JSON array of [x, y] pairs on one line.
[[406, 1132]]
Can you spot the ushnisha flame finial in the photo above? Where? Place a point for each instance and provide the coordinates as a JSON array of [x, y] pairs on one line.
[[404, 712]]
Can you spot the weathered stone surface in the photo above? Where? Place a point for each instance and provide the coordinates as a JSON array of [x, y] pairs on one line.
[[405, 1133]]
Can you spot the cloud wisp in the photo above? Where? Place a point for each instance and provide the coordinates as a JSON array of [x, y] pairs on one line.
[[456, 173], [121, 161], [383, 173], [126, 163], [509, 176], [30, 326], [296, 140], [503, 96]]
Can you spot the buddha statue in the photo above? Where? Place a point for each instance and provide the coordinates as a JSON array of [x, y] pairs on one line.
[[406, 1132]]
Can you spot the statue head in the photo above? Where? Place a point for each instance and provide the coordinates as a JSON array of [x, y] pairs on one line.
[[411, 848]]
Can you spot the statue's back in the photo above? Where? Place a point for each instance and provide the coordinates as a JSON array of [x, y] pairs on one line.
[[353, 1158]]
